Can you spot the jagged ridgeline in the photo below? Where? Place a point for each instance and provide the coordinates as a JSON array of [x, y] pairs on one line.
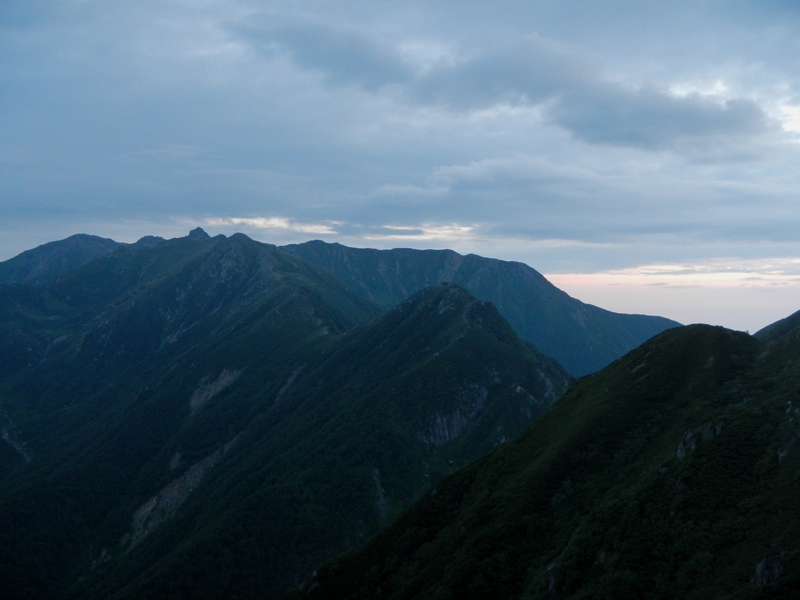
[[672, 473], [582, 337], [214, 417]]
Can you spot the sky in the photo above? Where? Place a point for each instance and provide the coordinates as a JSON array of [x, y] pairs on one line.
[[643, 156]]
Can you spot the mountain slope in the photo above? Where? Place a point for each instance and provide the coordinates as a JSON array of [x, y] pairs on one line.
[[396, 404], [50, 260], [780, 328], [582, 337], [214, 417], [672, 473], [130, 349]]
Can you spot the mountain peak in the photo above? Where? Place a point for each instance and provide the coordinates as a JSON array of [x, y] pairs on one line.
[[148, 240], [49, 261], [198, 233], [580, 336]]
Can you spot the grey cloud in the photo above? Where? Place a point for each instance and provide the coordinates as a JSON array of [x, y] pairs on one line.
[[653, 119], [554, 201], [151, 112], [528, 70], [345, 57]]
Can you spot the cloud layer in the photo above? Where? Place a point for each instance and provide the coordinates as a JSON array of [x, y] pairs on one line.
[[578, 136]]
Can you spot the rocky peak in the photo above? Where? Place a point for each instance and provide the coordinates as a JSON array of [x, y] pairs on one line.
[[198, 233]]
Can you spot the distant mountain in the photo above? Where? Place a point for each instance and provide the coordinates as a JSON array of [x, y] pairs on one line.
[[672, 473], [213, 417], [582, 337], [50, 260]]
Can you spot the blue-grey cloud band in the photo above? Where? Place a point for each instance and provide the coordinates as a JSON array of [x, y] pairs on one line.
[[530, 129], [529, 70]]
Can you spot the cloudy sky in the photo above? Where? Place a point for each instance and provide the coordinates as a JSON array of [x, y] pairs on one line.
[[644, 155]]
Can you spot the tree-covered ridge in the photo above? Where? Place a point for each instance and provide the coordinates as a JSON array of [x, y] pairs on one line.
[[213, 417], [582, 337], [672, 473], [53, 259]]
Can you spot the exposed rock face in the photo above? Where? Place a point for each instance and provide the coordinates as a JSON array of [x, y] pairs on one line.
[[769, 570], [289, 381], [688, 444], [381, 499], [473, 399], [450, 300], [444, 428], [711, 431], [175, 461], [163, 505], [550, 393], [783, 451], [690, 439], [20, 448], [208, 389], [793, 413]]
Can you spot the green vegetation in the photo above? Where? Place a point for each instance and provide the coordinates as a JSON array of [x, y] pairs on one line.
[[49, 261], [672, 473], [582, 337], [214, 417]]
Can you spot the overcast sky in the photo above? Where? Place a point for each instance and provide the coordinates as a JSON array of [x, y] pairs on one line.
[[643, 155]]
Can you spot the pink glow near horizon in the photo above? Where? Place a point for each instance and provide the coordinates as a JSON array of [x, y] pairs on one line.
[[739, 294]]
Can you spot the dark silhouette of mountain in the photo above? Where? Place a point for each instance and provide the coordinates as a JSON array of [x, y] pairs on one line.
[[779, 328], [53, 259], [582, 337], [214, 417], [50, 260], [672, 473]]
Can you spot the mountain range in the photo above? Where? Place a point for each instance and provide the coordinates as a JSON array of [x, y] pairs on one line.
[[208, 417], [582, 337], [216, 417]]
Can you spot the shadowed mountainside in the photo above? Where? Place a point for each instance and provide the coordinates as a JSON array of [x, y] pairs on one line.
[[50, 260], [786, 326], [213, 417], [672, 473], [582, 337]]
